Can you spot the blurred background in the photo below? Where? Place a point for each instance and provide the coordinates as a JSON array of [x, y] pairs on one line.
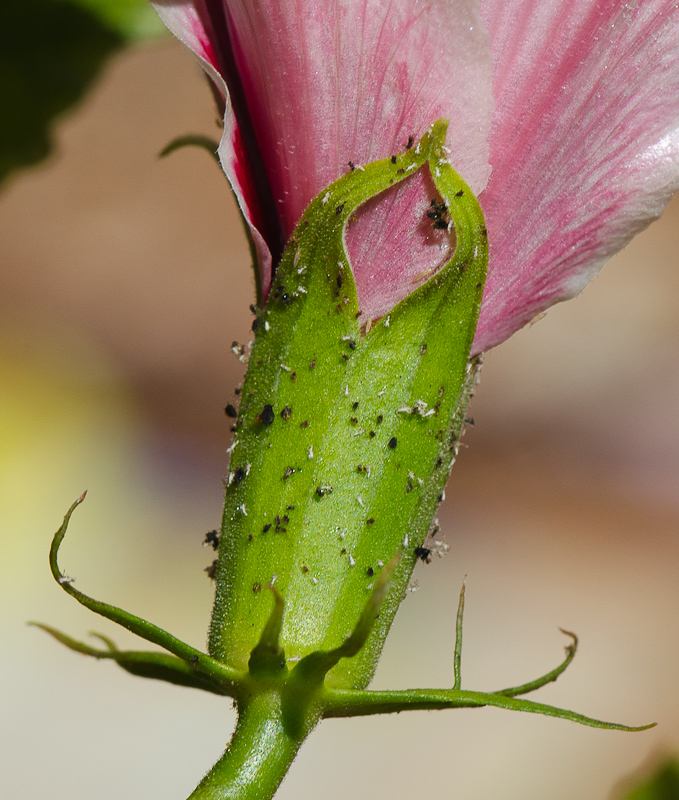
[[123, 281]]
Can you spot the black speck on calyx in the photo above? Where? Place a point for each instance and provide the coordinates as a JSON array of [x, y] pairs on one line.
[[266, 416], [393, 442], [212, 539], [424, 554]]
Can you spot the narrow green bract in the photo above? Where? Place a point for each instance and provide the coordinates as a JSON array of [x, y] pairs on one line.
[[344, 439]]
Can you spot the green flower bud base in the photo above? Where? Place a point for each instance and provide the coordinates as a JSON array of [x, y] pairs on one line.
[[344, 441]]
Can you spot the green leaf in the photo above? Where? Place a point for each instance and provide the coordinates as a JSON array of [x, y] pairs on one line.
[[134, 20], [662, 785], [50, 53]]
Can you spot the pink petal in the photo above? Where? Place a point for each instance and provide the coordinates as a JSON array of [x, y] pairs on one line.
[[393, 247], [331, 82], [584, 144], [192, 23]]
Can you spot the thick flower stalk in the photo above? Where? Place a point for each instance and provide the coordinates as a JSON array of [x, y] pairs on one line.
[[386, 156]]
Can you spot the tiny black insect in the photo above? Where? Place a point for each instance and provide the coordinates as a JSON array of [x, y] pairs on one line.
[[212, 539], [266, 416], [393, 159], [231, 410], [411, 142], [211, 571], [355, 405], [438, 213], [424, 554], [286, 413], [393, 442], [238, 476]]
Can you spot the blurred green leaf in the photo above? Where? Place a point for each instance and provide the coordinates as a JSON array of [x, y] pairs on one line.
[[662, 785], [134, 19], [50, 52]]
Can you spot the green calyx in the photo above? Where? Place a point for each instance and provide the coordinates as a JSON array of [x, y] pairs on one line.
[[344, 441], [347, 428]]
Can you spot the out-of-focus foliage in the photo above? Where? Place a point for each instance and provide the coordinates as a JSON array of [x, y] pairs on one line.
[[134, 19], [50, 52], [662, 785]]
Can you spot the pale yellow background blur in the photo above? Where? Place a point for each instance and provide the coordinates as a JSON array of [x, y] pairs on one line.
[[123, 281]]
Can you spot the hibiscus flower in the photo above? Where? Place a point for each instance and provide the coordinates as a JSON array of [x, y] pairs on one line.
[[564, 120]]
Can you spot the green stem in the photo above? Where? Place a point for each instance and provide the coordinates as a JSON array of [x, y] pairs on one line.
[[260, 753]]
